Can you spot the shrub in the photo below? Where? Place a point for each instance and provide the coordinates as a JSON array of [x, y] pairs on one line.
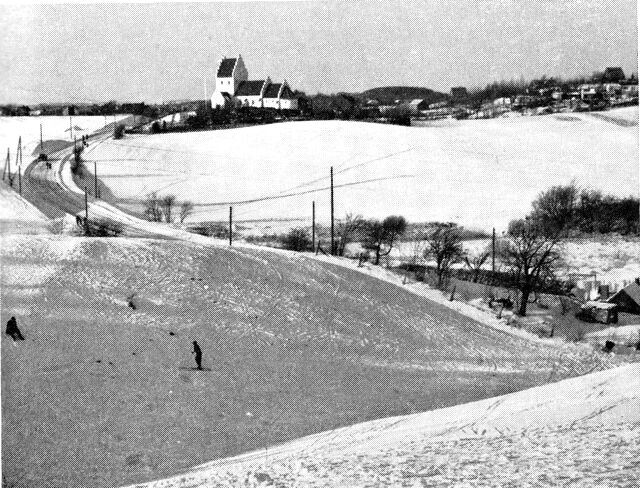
[[153, 207], [118, 131], [186, 209], [102, 228], [56, 226], [297, 240], [77, 163]]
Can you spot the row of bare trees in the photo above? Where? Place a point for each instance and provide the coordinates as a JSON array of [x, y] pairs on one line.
[[529, 256], [161, 209]]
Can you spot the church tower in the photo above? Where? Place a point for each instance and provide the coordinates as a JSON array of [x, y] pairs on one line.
[[231, 72]]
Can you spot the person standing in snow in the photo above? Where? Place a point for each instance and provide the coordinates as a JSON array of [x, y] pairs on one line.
[[13, 331], [198, 352]]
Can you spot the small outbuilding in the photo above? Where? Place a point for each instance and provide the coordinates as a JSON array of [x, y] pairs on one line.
[[417, 105], [628, 299], [603, 312]]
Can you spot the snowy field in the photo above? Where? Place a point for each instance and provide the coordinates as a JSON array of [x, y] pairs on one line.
[[478, 173], [580, 432], [53, 128], [294, 345]]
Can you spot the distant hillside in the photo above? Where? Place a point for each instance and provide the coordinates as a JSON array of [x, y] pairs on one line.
[[390, 93]]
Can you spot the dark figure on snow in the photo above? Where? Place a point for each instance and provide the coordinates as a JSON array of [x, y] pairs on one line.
[[198, 352], [13, 331]]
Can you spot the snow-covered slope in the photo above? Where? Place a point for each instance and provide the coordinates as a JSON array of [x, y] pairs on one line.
[[18, 215], [479, 173], [578, 432]]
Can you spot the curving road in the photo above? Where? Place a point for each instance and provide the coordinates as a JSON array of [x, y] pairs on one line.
[[54, 193]]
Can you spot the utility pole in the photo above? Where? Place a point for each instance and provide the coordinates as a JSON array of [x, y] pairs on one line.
[[332, 227], [86, 207], [493, 251], [71, 126], [6, 161], [19, 163], [95, 175], [9, 167], [230, 226], [205, 89], [313, 225]]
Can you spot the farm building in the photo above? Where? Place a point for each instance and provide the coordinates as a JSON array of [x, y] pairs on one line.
[[417, 105], [233, 88], [628, 299], [605, 313]]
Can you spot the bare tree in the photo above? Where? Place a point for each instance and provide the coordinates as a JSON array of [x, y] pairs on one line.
[[475, 262], [347, 229], [380, 237], [167, 203], [531, 256], [556, 208], [444, 245], [186, 209], [152, 208]]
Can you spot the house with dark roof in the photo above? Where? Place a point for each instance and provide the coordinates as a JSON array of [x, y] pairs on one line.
[[233, 88], [280, 96], [628, 299]]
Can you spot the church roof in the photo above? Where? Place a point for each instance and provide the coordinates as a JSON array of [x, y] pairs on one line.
[[226, 67], [249, 88], [273, 90]]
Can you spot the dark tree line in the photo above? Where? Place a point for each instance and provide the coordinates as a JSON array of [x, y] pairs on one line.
[[568, 210]]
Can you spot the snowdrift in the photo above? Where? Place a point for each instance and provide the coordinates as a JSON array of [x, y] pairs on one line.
[[583, 431], [18, 215]]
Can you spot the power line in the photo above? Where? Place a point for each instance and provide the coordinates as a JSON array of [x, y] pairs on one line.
[[277, 197]]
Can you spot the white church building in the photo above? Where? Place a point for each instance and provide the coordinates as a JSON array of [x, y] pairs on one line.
[[233, 87]]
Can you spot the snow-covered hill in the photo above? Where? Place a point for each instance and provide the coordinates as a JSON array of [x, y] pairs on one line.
[[478, 173], [579, 432]]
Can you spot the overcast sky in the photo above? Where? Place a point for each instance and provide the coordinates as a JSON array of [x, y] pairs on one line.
[[155, 52]]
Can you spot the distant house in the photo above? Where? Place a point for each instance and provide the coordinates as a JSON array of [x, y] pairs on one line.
[[614, 75], [35, 113], [502, 102], [178, 118], [459, 93], [588, 91], [612, 88], [233, 88], [628, 299], [441, 104], [417, 105]]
